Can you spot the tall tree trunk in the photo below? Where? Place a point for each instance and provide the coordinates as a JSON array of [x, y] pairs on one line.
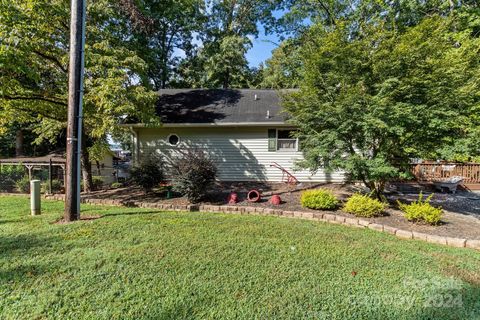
[[226, 80], [19, 143], [86, 167], [97, 163]]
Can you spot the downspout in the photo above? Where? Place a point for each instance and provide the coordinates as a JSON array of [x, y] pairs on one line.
[[136, 146]]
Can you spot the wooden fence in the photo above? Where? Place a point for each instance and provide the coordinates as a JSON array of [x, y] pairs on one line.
[[428, 172]]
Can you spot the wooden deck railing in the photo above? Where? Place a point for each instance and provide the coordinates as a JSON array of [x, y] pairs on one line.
[[426, 172]]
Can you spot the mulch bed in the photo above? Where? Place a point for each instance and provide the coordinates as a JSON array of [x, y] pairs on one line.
[[461, 218]]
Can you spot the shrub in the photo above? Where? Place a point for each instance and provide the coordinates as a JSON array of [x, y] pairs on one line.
[[364, 206], [116, 185], [23, 185], [97, 182], [57, 186], [421, 210], [320, 199], [193, 174], [148, 173], [9, 176]]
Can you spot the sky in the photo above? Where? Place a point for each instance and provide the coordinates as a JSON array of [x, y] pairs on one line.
[[262, 48]]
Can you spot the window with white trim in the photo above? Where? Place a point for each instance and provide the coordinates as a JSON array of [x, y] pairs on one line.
[[282, 140]]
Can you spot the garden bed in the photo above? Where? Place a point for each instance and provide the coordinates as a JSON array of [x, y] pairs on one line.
[[461, 217]]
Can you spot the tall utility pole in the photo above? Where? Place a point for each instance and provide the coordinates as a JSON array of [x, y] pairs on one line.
[[75, 112]]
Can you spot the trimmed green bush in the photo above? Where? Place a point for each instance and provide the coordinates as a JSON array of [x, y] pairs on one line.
[[421, 210], [193, 174], [97, 182], [116, 185], [364, 206], [9, 176], [23, 185], [57, 186], [149, 172], [319, 199]]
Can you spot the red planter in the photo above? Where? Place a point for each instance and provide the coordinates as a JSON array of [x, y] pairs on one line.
[[275, 200], [232, 198], [254, 196]]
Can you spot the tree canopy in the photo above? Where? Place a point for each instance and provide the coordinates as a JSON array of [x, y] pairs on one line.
[[371, 101], [33, 74]]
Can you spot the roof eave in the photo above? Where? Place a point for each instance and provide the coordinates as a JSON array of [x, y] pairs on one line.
[[212, 124]]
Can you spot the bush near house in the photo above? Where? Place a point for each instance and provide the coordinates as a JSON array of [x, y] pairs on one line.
[[23, 185], [320, 199], [193, 174], [116, 185], [9, 176], [149, 172], [97, 182], [364, 206], [57, 186], [421, 210]]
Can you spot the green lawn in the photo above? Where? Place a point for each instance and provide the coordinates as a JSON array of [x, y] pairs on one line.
[[145, 264]]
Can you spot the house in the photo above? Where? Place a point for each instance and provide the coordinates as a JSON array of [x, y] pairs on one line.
[[244, 131]]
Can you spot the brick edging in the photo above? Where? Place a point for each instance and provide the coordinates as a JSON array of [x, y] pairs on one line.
[[317, 216]]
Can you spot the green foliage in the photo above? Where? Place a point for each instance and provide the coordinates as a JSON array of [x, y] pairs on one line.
[[193, 174], [9, 176], [283, 69], [34, 79], [320, 199], [149, 173], [97, 182], [422, 210], [371, 101], [116, 185], [57, 186], [23, 184], [160, 28], [364, 206], [230, 26]]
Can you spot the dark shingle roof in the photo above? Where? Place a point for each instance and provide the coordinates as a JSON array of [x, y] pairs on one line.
[[198, 106]]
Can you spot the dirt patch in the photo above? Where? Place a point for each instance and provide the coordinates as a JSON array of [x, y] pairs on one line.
[[461, 218], [82, 218]]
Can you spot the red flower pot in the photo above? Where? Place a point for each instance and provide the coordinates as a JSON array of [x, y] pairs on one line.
[[275, 200], [232, 198], [254, 196]]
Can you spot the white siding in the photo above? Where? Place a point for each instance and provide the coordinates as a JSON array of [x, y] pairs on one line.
[[241, 154]]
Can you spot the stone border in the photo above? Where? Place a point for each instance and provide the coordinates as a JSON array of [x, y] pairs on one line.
[[316, 216]]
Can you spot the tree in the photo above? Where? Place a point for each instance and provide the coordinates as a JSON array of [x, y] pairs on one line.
[[18, 139], [220, 60], [159, 29], [33, 77], [283, 70], [370, 103]]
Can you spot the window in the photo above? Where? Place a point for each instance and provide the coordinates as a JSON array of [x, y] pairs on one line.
[[281, 139], [173, 139]]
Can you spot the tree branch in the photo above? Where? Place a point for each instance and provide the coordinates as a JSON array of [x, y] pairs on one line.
[[33, 98], [44, 115], [328, 12], [52, 59]]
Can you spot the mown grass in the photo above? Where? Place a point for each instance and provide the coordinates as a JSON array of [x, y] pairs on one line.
[[145, 264]]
